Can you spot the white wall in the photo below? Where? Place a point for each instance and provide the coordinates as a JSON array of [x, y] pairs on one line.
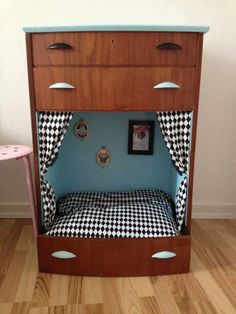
[[215, 174]]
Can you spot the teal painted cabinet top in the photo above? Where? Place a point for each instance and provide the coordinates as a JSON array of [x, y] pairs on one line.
[[117, 28]]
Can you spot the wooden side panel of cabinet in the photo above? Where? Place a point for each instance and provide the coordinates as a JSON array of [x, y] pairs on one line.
[[114, 89], [38, 213], [196, 91], [115, 48]]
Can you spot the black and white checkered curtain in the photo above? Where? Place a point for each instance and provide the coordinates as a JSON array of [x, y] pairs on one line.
[[51, 130], [181, 202], [176, 130]]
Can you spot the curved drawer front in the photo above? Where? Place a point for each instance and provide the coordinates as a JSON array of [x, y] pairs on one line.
[[114, 89], [115, 48], [114, 256]]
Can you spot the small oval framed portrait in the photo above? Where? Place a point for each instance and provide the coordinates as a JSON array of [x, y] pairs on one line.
[[103, 157], [81, 129]]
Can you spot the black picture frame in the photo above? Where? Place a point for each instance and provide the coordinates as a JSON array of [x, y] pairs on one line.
[[141, 137]]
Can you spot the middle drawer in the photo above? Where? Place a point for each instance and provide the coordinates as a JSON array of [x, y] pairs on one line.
[[114, 89]]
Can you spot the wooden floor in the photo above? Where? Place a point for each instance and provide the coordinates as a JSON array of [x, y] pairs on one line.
[[209, 288]]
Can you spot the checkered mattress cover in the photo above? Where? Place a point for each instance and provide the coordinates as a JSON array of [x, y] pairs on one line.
[[133, 214]]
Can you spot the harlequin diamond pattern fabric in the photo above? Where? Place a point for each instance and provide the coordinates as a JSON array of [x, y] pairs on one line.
[[181, 202], [133, 214], [49, 202], [51, 130], [176, 130]]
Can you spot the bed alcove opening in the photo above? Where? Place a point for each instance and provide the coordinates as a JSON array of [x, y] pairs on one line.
[[74, 167]]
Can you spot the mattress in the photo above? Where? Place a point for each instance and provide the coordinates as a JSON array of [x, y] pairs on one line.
[[132, 214]]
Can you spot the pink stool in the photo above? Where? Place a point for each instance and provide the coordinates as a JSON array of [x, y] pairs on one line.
[[22, 152]]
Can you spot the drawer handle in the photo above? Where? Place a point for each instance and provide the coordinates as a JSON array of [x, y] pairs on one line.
[[61, 85], [164, 255], [60, 46], [63, 254], [166, 85], [169, 46]]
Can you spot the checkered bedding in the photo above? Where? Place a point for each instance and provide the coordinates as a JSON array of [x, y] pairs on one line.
[[133, 214]]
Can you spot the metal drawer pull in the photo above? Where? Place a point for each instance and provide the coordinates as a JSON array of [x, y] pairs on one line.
[[166, 85], [63, 254], [164, 255], [169, 46], [61, 85], [60, 46]]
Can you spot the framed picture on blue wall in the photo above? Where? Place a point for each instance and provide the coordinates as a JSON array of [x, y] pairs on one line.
[[81, 129], [141, 137], [103, 157]]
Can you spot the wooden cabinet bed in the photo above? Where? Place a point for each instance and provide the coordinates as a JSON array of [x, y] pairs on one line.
[[114, 69]]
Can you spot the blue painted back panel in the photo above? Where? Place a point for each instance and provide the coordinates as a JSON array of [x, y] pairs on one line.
[[76, 169]]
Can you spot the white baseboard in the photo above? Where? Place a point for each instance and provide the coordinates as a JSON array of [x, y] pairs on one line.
[[214, 212], [15, 210], [22, 210]]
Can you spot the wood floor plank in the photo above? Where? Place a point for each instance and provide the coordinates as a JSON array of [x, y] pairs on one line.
[[187, 299], [150, 305], [42, 290], [210, 287], [220, 260], [8, 243], [15, 308], [93, 290], [76, 293], [193, 289], [223, 246], [142, 286], [229, 226], [111, 296], [94, 309], [9, 286], [60, 309], [28, 276], [6, 223], [20, 308], [2, 279], [39, 310], [130, 301], [6, 308], [230, 239], [205, 307], [200, 236], [26, 238], [164, 297], [59, 290]]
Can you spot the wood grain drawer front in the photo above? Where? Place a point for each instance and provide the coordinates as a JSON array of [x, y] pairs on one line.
[[115, 48], [112, 257], [114, 89]]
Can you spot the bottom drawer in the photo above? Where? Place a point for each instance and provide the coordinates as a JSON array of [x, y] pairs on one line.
[[114, 257]]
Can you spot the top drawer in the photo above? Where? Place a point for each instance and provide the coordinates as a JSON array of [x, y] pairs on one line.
[[114, 48]]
